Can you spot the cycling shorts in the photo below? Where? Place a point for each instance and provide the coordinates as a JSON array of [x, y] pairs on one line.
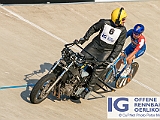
[[129, 49]]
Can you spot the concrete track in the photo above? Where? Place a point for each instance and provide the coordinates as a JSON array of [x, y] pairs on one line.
[[32, 37]]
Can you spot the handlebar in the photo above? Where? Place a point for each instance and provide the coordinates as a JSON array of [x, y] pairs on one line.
[[75, 42]]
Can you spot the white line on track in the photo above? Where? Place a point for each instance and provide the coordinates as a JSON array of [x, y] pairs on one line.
[[56, 37], [152, 56], [145, 86], [34, 25]]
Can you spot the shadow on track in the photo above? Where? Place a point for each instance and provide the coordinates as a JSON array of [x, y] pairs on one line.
[[31, 81]]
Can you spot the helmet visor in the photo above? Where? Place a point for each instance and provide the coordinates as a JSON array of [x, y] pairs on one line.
[[136, 34]]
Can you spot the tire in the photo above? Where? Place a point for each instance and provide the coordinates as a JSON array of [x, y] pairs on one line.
[[38, 93], [121, 82], [135, 67]]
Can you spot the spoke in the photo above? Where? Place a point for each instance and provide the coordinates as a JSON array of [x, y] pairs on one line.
[[122, 83]]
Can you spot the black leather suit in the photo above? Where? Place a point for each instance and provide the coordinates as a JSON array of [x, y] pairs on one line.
[[103, 51]]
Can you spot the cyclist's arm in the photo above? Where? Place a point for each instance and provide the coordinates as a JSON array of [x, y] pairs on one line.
[[141, 42], [129, 33], [132, 55]]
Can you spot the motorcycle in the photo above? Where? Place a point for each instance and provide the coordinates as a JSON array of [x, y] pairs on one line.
[[68, 76]]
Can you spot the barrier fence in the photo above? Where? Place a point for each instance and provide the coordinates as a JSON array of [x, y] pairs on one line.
[[55, 1], [40, 1]]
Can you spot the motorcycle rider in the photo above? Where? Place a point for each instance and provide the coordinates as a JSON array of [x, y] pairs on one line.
[[136, 48], [107, 45]]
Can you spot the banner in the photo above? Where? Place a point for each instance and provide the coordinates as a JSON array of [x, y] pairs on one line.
[[133, 107]]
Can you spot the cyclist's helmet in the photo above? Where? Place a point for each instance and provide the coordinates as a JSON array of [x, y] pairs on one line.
[[138, 29], [118, 15]]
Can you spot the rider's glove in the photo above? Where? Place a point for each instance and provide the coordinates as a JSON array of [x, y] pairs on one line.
[[110, 60], [81, 41]]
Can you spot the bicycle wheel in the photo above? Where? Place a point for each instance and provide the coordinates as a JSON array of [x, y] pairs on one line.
[[134, 69], [122, 81]]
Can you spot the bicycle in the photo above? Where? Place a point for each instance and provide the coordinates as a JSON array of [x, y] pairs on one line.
[[122, 77]]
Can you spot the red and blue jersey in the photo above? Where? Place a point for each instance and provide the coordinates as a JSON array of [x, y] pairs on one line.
[[136, 44]]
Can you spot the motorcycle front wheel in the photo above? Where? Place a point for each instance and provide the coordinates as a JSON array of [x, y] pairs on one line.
[[39, 91]]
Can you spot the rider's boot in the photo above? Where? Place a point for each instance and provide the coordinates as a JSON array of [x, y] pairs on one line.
[[87, 91], [74, 97]]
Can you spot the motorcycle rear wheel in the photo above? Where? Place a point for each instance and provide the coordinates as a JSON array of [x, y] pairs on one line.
[[38, 93]]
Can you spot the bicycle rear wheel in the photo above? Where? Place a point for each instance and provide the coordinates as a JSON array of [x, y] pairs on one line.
[[123, 81], [134, 69]]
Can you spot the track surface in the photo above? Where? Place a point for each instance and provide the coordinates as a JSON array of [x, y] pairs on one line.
[[32, 37]]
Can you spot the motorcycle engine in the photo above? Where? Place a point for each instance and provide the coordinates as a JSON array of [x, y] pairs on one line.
[[67, 90]]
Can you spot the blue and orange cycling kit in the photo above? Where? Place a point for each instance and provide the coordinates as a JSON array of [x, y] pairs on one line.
[[138, 45]]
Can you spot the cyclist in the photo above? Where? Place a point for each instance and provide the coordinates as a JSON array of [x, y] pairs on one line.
[[107, 45], [137, 46]]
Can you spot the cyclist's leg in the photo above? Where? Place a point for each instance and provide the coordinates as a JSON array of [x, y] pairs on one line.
[[138, 54], [118, 65], [127, 51], [130, 60]]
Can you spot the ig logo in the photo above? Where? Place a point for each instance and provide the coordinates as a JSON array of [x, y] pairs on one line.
[[115, 104]]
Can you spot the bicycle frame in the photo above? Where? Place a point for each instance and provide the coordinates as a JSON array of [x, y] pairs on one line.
[[116, 75]]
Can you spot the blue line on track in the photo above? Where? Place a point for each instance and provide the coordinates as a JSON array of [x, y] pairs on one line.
[[17, 86]]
